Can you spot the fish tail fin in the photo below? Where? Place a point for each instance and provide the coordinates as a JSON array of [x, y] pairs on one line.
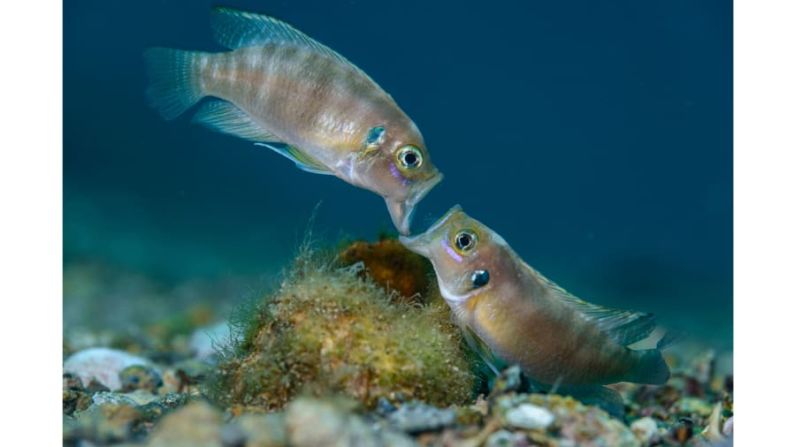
[[173, 80], [650, 368]]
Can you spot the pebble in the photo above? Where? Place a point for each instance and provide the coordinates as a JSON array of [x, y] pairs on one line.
[[728, 427], [645, 429], [692, 405], [140, 377], [505, 438], [529, 416], [417, 417], [509, 380], [260, 430], [198, 424], [101, 364], [313, 422]]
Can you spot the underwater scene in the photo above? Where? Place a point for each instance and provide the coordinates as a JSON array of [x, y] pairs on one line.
[[361, 223]]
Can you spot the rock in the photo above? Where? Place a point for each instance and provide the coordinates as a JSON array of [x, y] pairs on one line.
[[728, 427], [196, 425], [111, 398], [689, 406], [255, 430], [574, 423], [504, 438], [417, 417], [140, 377], [103, 424], [682, 431], [529, 416], [203, 341], [329, 330], [102, 365], [314, 422], [75, 398], [510, 379], [645, 429]]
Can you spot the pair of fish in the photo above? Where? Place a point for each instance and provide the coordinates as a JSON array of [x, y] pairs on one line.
[[283, 90]]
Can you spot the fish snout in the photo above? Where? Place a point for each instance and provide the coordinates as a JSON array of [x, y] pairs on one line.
[[418, 244], [402, 211]]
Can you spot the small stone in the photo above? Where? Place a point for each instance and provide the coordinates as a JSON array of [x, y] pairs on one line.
[[111, 398], [384, 407], [102, 365], [510, 379], [72, 382], [417, 417], [255, 430], [682, 431], [196, 425], [330, 423], [504, 438], [529, 416], [140, 377], [728, 427], [645, 429], [103, 424], [693, 406]]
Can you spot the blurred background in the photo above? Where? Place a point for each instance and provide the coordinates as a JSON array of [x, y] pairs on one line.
[[595, 137]]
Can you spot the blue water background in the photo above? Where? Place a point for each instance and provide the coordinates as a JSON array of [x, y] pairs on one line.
[[595, 137]]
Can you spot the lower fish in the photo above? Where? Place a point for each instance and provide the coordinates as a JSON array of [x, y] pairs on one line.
[[285, 91], [511, 314]]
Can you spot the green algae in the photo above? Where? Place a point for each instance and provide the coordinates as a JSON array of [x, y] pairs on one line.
[[329, 329]]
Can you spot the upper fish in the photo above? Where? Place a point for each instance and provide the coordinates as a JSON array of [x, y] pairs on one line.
[[284, 90], [511, 314]]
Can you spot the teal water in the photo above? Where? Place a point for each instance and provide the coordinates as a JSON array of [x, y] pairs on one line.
[[596, 137]]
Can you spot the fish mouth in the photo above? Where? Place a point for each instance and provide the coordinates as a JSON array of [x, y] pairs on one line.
[[418, 244], [421, 243], [402, 211]]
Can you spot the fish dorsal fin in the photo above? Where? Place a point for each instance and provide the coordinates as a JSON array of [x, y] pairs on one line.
[[623, 326], [301, 160], [239, 29], [225, 117]]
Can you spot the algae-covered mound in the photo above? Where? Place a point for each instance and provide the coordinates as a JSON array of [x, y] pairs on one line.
[[329, 330]]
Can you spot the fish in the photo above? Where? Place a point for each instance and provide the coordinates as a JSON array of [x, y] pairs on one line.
[[511, 314], [285, 91]]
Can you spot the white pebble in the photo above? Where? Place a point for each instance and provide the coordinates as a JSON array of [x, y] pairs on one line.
[[645, 429], [102, 364], [529, 416], [728, 427]]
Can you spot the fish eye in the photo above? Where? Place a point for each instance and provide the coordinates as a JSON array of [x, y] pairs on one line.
[[410, 157], [465, 240], [480, 278]]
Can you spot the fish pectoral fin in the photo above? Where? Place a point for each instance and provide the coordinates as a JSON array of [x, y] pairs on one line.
[[483, 351], [239, 29], [225, 117], [302, 161]]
